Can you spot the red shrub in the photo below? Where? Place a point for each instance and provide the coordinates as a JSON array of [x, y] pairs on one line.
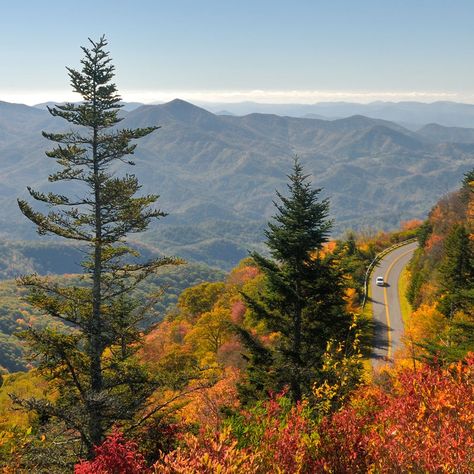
[[425, 425], [115, 455]]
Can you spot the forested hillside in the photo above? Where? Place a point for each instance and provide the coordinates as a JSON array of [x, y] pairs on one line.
[[345, 425], [208, 380], [441, 288]]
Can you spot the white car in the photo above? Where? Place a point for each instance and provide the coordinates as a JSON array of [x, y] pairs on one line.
[[379, 281]]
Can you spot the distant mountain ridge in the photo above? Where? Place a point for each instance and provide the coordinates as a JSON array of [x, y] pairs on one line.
[[411, 114], [439, 134], [217, 174]]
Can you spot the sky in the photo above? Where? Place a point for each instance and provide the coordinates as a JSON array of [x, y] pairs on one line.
[[299, 51]]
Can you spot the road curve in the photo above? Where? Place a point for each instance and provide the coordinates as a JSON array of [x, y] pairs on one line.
[[387, 315]]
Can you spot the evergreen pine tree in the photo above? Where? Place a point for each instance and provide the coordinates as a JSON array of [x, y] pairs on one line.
[[468, 179], [457, 272], [92, 363], [303, 299]]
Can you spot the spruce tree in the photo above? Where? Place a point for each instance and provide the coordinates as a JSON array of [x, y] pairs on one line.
[[457, 272], [91, 362], [303, 297], [468, 179]]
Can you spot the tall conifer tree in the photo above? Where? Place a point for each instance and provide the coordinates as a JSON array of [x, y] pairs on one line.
[[303, 298], [92, 364], [457, 272]]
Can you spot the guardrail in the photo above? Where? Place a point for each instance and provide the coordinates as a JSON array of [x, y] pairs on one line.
[[375, 261]]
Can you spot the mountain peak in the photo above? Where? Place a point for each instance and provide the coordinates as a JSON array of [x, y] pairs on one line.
[[177, 100], [358, 118], [183, 111], [177, 106]]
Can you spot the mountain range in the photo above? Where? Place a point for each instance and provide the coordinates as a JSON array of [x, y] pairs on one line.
[[410, 114], [217, 174]]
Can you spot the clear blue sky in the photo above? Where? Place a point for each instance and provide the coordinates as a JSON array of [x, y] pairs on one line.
[[272, 50]]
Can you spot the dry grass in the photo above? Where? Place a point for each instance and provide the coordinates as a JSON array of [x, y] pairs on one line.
[[402, 289]]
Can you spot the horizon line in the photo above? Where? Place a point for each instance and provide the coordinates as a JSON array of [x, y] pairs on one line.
[[260, 96]]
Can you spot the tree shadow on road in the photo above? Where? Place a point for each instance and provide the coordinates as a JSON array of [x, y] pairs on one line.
[[375, 336]]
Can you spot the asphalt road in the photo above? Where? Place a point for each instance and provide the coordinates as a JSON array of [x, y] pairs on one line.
[[387, 315]]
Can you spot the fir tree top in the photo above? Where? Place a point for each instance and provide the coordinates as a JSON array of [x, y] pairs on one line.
[[300, 226]]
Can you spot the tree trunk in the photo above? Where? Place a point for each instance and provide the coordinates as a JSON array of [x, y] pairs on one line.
[[95, 406], [296, 375]]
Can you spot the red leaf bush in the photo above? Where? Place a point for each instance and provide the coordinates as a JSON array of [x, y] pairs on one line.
[[115, 455]]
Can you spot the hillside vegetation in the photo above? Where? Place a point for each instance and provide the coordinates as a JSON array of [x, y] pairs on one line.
[[398, 422], [16, 314], [392, 423], [441, 288]]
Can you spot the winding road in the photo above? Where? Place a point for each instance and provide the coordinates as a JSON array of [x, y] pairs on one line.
[[387, 314]]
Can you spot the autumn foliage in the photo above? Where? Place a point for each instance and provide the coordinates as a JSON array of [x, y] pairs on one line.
[[275, 436], [442, 280], [423, 423], [116, 455], [420, 421], [418, 418], [216, 453]]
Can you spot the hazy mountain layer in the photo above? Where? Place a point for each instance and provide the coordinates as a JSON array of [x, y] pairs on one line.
[[408, 113], [217, 175]]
